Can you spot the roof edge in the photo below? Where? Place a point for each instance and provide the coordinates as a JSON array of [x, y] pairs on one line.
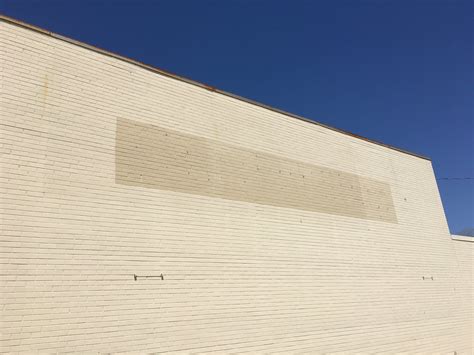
[[462, 238], [196, 83]]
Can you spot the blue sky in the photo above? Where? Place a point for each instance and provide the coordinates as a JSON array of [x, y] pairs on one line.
[[399, 71]]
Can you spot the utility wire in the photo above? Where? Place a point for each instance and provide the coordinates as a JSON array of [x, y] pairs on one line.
[[457, 178]]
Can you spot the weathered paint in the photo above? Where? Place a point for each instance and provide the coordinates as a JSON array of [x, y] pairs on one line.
[[154, 157]]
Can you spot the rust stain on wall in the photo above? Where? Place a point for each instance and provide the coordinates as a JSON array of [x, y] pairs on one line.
[[154, 157]]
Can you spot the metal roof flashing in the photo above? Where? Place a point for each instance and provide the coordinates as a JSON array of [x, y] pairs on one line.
[[192, 82], [462, 238]]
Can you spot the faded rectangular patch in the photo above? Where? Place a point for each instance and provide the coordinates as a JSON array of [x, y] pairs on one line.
[[154, 157]]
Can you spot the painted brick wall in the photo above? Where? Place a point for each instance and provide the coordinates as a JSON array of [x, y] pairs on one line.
[[85, 206]]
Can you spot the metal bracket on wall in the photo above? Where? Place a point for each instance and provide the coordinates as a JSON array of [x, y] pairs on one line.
[[135, 277]]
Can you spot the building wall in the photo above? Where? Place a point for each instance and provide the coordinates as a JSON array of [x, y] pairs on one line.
[[272, 234], [464, 256]]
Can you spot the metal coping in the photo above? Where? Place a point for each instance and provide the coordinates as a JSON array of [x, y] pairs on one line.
[[192, 82], [462, 238]]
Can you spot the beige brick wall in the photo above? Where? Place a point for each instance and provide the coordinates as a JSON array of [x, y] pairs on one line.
[[85, 207]]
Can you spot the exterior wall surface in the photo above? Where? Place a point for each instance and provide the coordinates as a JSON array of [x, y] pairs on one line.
[[272, 234]]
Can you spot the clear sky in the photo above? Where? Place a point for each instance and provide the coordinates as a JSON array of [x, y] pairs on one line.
[[398, 71]]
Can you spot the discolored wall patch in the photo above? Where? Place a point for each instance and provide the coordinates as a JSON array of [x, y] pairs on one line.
[[154, 157]]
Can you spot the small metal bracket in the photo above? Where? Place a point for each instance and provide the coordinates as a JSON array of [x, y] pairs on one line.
[[135, 277]]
